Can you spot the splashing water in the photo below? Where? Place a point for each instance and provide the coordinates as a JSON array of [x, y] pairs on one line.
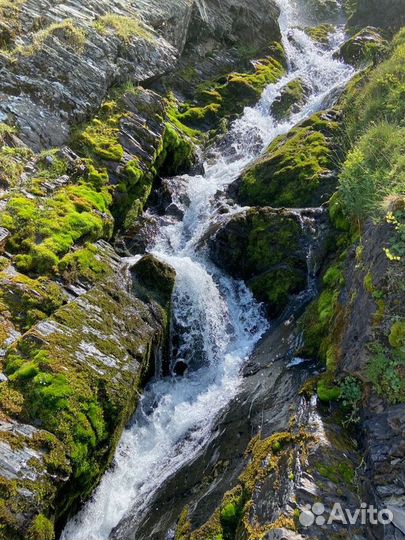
[[220, 321]]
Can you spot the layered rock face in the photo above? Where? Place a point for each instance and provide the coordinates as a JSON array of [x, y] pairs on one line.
[[82, 146], [77, 377], [61, 60]]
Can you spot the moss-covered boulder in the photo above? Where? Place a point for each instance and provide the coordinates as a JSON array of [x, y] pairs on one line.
[[291, 97], [76, 375], [297, 169], [320, 33], [227, 96], [367, 46], [263, 247]]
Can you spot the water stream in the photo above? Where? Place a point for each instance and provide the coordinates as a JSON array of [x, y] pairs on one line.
[[220, 320]]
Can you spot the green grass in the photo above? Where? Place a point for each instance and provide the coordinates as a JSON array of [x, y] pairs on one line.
[[126, 28], [373, 171]]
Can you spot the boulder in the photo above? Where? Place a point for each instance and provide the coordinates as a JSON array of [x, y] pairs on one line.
[[265, 248], [292, 96], [77, 375], [365, 47], [297, 169]]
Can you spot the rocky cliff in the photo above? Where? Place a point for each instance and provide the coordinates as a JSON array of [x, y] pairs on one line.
[[97, 104], [82, 146]]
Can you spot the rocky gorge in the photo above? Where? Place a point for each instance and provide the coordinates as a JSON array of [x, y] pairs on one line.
[[202, 218]]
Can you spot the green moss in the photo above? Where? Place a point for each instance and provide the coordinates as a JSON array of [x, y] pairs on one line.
[[10, 22], [11, 400], [229, 95], [232, 517], [83, 263], [71, 35], [338, 472], [397, 335], [327, 392], [365, 47], [263, 248], [334, 277], [292, 95], [153, 280], [41, 529], [100, 139], [275, 287], [293, 169], [12, 163], [28, 300], [177, 153], [321, 33], [44, 230]]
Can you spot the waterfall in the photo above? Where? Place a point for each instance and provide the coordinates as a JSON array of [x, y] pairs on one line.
[[220, 321]]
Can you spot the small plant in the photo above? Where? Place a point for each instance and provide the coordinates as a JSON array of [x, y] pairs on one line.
[[396, 251], [351, 395], [386, 372]]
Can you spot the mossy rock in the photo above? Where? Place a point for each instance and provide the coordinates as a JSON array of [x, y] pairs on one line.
[[320, 33], [153, 280], [291, 97], [365, 47], [297, 169], [78, 374], [264, 248], [397, 335], [227, 96]]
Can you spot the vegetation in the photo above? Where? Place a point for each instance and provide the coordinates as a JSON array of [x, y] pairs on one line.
[[373, 171], [294, 168], [126, 28], [43, 231], [386, 371], [72, 36], [228, 96], [320, 33]]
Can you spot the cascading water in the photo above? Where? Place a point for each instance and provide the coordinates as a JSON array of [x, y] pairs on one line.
[[220, 321]]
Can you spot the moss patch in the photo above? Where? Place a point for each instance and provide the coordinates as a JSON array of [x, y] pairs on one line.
[[294, 168]]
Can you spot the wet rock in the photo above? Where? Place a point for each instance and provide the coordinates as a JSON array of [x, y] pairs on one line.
[[265, 248], [291, 98], [366, 46], [297, 170], [292, 461]]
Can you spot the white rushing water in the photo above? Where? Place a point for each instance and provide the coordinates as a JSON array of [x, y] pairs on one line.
[[220, 321]]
